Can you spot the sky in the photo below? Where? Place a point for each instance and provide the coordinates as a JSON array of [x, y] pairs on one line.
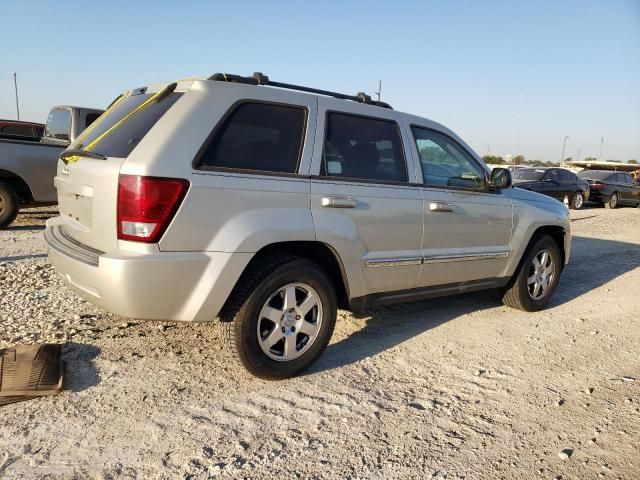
[[508, 77]]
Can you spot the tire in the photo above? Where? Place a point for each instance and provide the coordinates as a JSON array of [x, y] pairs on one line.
[[613, 201], [8, 204], [577, 201], [260, 326], [521, 293]]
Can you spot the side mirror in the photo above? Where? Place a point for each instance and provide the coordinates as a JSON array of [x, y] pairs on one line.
[[500, 178]]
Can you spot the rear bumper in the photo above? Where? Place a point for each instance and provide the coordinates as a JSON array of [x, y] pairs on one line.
[[177, 286], [597, 196]]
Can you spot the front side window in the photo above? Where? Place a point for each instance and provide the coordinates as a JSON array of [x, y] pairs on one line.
[[531, 174], [445, 163], [258, 136], [58, 124], [363, 148], [551, 176]]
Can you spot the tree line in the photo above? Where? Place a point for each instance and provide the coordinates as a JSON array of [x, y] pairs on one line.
[[521, 160]]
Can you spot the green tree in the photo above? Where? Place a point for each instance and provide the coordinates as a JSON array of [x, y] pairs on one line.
[[633, 162], [493, 160], [518, 160], [590, 159]]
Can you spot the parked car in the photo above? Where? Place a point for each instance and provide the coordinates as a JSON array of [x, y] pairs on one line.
[[557, 183], [17, 130], [269, 208], [612, 189], [27, 168]]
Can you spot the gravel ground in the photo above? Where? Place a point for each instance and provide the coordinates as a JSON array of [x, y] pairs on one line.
[[461, 387]]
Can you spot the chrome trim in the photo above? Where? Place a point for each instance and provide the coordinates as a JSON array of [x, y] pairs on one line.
[[464, 257], [393, 262]]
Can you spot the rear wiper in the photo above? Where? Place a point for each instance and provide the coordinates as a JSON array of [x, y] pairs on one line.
[[64, 156]]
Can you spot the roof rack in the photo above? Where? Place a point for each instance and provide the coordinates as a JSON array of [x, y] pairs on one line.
[[259, 78]]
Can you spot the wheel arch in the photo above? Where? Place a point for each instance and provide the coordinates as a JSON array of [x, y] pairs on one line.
[[18, 184], [318, 252]]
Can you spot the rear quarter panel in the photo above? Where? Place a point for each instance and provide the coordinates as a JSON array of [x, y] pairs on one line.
[[35, 163]]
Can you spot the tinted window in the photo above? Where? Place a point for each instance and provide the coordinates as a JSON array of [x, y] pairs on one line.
[[566, 176], [552, 175], [90, 118], [363, 148], [445, 163], [527, 174], [58, 124], [628, 179], [120, 141], [595, 175], [17, 130], [258, 136]]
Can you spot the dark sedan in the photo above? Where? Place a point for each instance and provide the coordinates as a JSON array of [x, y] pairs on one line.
[[555, 182], [613, 189]]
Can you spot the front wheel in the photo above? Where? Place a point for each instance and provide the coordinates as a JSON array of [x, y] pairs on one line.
[[537, 278], [613, 201], [280, 317], [8, 204], [577, 201]]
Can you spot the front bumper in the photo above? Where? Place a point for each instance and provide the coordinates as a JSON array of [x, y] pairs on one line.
[[177, 286]]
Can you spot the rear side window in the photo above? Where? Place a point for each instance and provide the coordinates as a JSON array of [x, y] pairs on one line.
[[363, 148], [58, 124], [258, 136], [596, 175], [130, 118]]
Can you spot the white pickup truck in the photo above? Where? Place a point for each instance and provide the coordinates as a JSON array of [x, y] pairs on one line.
[[27, 169]]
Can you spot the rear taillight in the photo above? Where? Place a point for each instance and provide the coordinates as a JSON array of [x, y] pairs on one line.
[[146, 206], [597, 185]]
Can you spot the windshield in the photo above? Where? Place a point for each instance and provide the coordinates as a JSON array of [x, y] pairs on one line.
[[527, 174], [117, 132], [594, 174]]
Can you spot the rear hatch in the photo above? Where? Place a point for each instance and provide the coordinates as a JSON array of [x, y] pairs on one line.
[[87, 183]]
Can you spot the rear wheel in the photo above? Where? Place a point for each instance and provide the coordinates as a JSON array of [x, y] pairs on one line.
[[8, 204], [577, 201], [280, 317], [537, 278], [613, 201]]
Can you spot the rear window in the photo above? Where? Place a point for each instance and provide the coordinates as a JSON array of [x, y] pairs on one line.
[[17, 130], [58, 124], [130, 126], [594, 174]]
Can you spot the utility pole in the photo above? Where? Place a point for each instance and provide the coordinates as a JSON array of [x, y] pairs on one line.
[[379, 92], [601, 143], [578, 156], [15, 86], [563, 147]]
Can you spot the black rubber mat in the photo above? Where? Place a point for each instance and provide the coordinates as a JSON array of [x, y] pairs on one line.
[[28, 371]]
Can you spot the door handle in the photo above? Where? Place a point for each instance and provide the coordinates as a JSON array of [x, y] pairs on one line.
[[338, 202], [441, 207]]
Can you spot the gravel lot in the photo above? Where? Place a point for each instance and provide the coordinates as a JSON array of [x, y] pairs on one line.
[[451, 388]]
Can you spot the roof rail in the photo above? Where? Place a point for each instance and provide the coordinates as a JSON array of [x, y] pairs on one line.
[[259, 78]]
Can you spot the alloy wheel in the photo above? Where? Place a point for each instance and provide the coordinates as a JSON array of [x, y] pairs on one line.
[[613, 201], [541, 274], [578, 201], [289, 322], [3, 205]]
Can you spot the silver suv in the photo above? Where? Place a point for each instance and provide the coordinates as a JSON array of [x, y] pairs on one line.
[[269, 206]]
